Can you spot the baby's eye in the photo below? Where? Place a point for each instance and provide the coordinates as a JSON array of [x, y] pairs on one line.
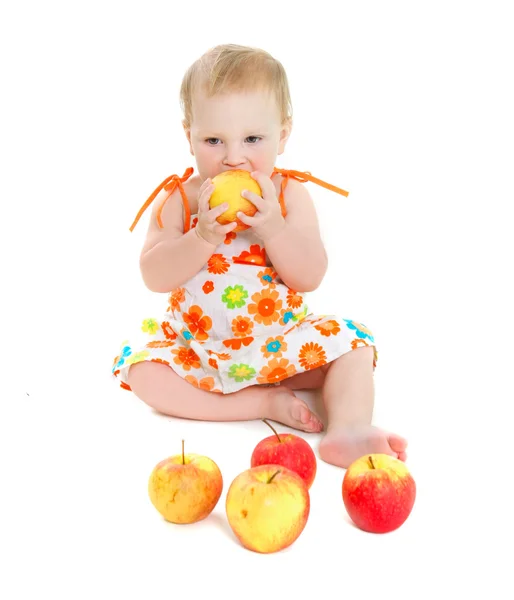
[[209, 140], [253, 137]]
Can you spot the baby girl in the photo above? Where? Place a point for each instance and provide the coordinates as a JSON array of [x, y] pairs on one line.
[[236, 339]]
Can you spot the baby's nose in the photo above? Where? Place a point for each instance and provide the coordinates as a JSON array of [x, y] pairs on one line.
[[234, 158], [234, 162]]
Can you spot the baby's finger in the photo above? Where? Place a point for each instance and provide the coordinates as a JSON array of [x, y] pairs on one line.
[[251, 221], [215, 212], [204, 185], [224, 229], [202, 189], [255, 199], [265, 183], [203, 200]]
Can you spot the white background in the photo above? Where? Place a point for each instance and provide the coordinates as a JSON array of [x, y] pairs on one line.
[[408, 106]]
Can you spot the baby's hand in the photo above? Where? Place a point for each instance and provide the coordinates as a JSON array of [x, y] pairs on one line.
[[207, 227], [268, 220]]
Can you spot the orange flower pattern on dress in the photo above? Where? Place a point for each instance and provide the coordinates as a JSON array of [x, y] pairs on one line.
[[295, 326], [267, 306], [312, 356], [160, 344], [161, 360], [242, 326], [229, 237], [313, 319], [217, 264], [274, 346], [267, 277], [255, 256], [175, 298], [186, 358], [328, 328], [359, 343], [276, 370], [238, 343], [220, 355], [206, 383], [169, 334], [236, 323], [197, 323], [294, 300]]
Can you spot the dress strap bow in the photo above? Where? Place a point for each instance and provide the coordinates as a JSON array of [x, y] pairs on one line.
[[303, 177], [170, 184]]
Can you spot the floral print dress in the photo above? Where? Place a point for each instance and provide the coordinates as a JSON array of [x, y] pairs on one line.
[[236, 324]]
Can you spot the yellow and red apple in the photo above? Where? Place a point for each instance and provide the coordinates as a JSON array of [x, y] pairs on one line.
[[185, 488], [378, 493], [267, 508], [227, 188], [288, 450]]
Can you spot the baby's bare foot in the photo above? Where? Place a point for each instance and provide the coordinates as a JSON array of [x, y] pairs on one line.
[[286, 408], [341, 447]]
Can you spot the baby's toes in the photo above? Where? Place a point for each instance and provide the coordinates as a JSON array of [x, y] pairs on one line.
[[306, 417], [315, 425], [397, 443], [301, 413], [402, 456]]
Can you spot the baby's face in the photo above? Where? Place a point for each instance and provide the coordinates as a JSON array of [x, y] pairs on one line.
[[236, 130]]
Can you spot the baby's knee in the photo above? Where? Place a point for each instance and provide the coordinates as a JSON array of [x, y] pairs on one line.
[[361, 354], [364, 351], [143, 376]]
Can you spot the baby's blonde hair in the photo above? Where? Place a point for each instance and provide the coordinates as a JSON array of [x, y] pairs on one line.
[[231, 67]]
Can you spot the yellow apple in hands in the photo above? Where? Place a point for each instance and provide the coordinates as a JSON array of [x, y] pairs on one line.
[[267, 507], [227, 188], [185, 488]]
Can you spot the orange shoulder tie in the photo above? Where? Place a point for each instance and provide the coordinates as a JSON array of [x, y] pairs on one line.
[[170, 184], [303, 177]]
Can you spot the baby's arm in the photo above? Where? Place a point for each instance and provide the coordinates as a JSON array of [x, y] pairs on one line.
[[171, 257], [297, 251]]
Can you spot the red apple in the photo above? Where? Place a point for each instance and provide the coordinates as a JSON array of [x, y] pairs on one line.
[[287, 450], [378, 493]]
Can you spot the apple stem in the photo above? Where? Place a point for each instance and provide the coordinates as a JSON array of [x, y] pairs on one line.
[[371, 462], [183, 458], [271, 478], [273, 429]]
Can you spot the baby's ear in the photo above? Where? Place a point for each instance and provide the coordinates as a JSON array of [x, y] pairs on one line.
[[187, 131], [285, 132]]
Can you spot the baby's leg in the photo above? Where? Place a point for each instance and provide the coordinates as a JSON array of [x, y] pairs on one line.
[[308, 380], [348, 393], [165, 391]]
